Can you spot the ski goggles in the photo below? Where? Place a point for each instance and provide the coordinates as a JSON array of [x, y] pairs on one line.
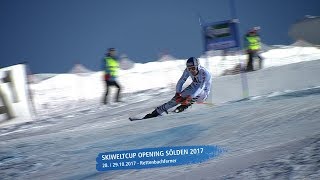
[[192, 68]]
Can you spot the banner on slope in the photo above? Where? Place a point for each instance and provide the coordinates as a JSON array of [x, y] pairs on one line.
[[221, 35], [15, 95]]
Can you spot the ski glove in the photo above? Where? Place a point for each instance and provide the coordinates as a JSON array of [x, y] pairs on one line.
[[182, 100], [186, 100], [178, 97]]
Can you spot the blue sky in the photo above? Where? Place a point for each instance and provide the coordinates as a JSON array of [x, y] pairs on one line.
[[53, 35]]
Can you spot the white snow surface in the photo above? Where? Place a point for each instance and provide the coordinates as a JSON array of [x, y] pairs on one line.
[[273, 134]]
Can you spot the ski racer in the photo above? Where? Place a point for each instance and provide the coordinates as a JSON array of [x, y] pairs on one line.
[[197, 91]]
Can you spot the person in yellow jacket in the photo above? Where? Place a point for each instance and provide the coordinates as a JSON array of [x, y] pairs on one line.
[[111, 70], [253, 46]]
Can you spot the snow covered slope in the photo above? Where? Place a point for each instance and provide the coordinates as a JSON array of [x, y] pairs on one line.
[[272, 135], [270, 80]]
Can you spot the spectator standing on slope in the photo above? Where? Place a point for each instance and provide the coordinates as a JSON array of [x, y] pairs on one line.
[[111, 71], [253, 46]]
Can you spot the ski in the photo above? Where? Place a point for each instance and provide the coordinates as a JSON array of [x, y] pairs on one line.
[[138, 119], [135, 119]]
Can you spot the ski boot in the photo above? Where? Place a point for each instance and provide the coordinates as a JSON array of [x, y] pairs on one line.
[[151, 115]]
